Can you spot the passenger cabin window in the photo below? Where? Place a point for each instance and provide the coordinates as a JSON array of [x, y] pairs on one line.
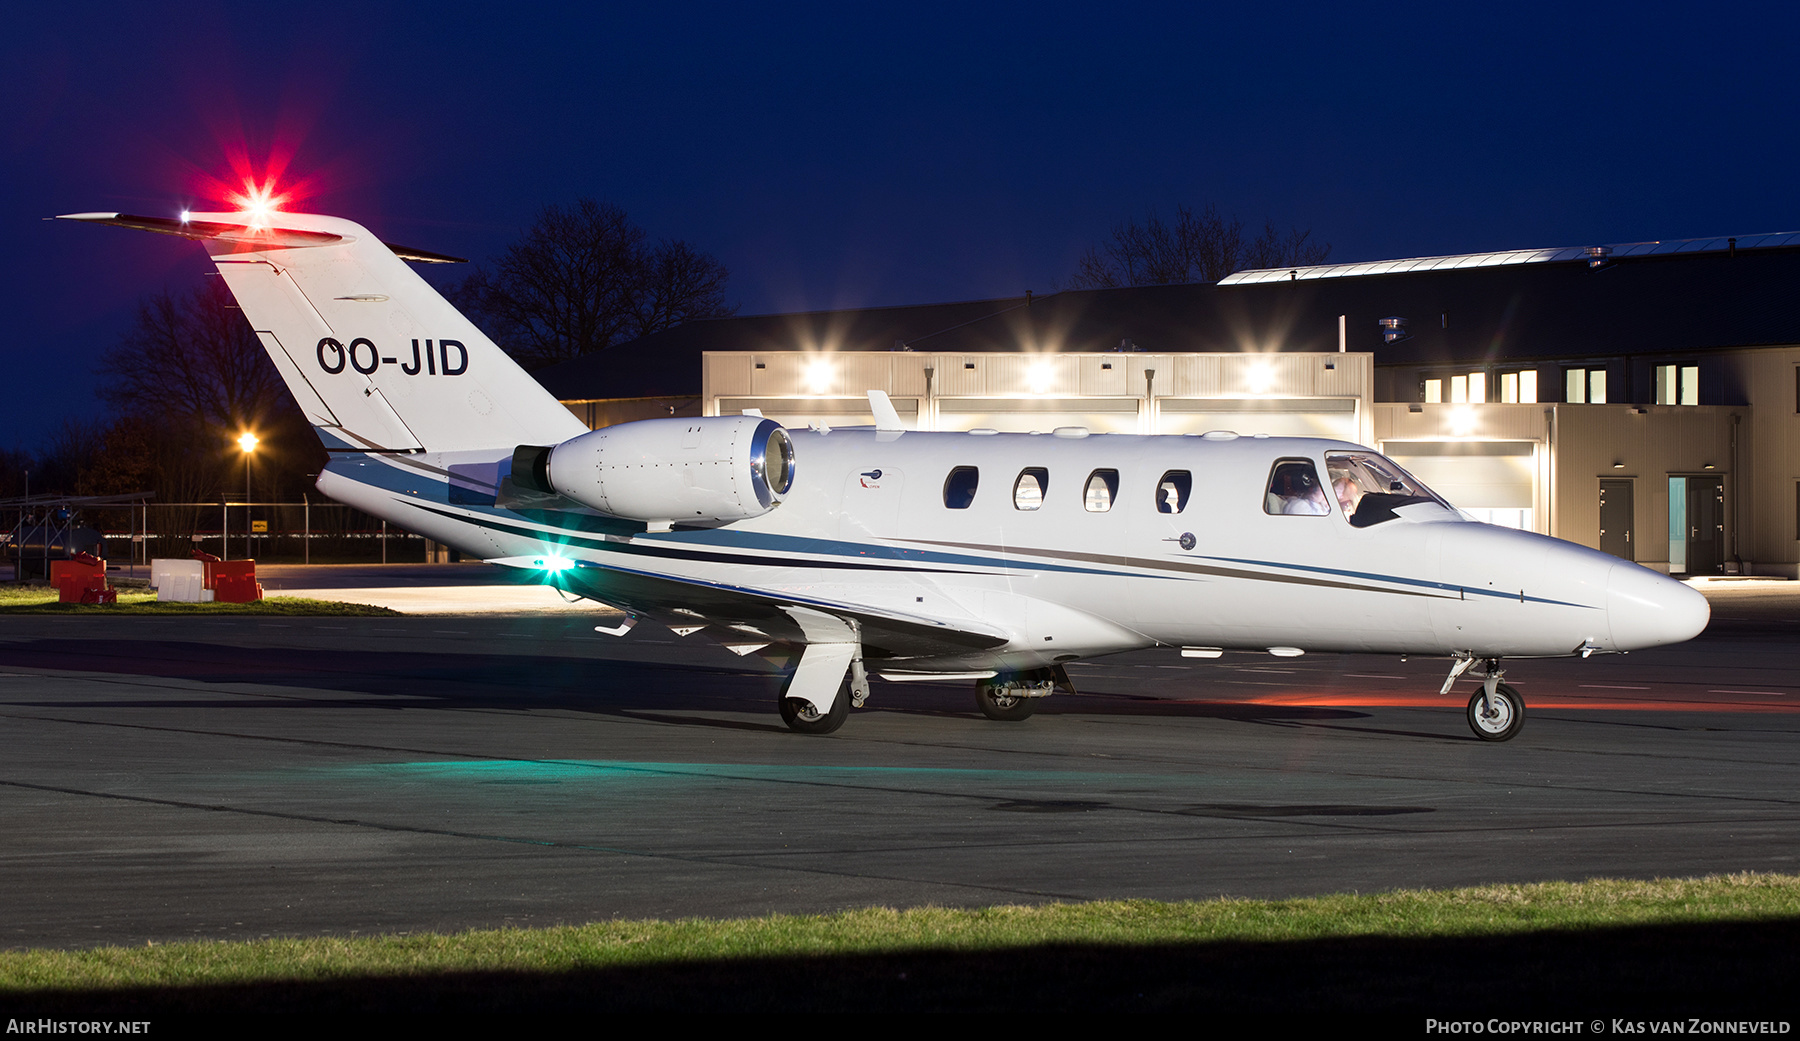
[[1173, 490], [1294, 490], [1029, 489], [959, 487], [1102, 489], [1369, 487]]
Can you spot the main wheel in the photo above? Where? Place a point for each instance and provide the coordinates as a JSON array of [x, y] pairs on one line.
[[802, 718], [996, 702], [1505, 722]]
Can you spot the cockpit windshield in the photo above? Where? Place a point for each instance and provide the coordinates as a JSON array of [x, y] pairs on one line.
[[1370, 487]]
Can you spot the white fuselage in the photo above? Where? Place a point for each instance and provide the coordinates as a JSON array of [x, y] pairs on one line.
[[1064, 581]]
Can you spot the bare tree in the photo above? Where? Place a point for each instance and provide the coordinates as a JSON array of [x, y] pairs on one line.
[[681, 284], [1202, 247], [584, 278], [187, 377], [13, 464], [193, 359]]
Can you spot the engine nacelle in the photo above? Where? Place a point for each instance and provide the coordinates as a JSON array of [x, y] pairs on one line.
[[664, 471]]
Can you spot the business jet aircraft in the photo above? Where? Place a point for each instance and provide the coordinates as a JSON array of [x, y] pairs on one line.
[[976, 556]]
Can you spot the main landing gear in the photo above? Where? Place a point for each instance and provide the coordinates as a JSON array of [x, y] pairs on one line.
[[1000, 701], [803, 718], [1009, 698], [1496, 712], [828, 679]]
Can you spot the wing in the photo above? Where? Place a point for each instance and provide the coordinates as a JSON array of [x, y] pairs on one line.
[[755, 614]]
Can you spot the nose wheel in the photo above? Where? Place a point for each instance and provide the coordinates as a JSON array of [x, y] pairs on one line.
[[1498, 716], [1496, 712]]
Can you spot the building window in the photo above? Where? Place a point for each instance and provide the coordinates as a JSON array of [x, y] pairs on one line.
[[1519, 387], [1434, 391], [1585, 386], [1472, 387], [1678, 384]]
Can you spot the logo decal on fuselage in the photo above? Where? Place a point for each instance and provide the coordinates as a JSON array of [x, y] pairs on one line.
[[363, 356]]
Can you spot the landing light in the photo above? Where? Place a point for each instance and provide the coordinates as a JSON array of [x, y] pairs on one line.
[[552, 563]]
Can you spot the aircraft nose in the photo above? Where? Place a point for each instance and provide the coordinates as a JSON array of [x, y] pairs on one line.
[[1646, 609]]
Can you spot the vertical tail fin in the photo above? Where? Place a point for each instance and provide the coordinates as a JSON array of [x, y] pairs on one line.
[[377, 358]]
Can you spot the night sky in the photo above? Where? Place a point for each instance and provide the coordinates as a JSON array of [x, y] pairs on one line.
[[842, 155]]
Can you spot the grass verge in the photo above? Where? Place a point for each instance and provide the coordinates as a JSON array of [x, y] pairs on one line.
[[17, 600], [1146, 954]]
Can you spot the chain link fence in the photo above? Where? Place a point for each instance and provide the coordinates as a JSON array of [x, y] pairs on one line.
[[271, 532]]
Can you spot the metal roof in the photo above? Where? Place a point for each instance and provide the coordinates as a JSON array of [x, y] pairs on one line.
[[1515, 256]]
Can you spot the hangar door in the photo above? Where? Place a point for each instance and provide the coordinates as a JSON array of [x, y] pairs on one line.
[[1493, 480], [1277, 417]]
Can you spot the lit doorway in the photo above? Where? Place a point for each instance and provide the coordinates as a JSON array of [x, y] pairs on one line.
[[1696, 525]]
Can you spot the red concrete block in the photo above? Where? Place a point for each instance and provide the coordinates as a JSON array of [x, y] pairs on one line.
[[234, 582], [74, 579]]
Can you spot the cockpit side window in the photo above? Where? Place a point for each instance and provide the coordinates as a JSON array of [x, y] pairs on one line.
[[959, 487], [1369, 487], [1102, 489], [1173, 491], [1030, 488], [1294, 490]]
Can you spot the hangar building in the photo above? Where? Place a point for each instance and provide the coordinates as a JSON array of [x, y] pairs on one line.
[[1640, 398]]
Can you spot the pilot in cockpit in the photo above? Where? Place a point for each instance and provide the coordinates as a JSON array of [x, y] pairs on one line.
[[1294, 491]]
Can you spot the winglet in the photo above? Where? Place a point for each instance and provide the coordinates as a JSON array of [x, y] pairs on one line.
[[886, 418]]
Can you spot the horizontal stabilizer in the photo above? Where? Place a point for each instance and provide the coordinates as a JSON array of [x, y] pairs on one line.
[[251, 235]]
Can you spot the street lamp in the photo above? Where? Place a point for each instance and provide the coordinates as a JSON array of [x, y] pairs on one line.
[[247, 441]]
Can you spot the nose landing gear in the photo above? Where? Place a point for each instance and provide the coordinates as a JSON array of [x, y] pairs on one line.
[[1496, 712], [1498, 716]]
